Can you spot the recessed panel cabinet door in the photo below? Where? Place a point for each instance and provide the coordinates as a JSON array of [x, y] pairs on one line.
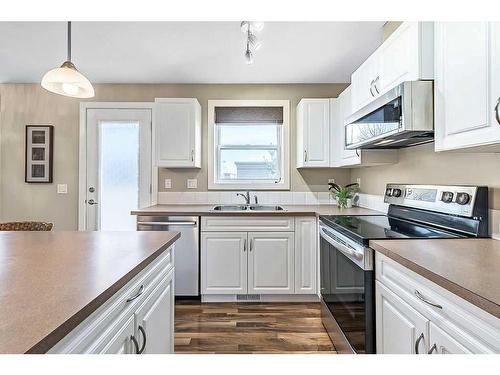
[[442, 343], [400, 328], [154, 319], [466, 84], [305, 255], [120, 341], [313, 140], [224, 263], [271, 263]]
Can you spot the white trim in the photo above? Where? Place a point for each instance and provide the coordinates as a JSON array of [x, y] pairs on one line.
[[82, 146], [284, 184], [209, 298]]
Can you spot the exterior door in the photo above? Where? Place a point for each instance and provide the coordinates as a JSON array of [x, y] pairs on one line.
[[270, 263], [400, 328], [118, 167], [224, 263]]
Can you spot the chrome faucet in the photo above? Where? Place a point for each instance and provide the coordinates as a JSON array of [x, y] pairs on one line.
[[246, 196]]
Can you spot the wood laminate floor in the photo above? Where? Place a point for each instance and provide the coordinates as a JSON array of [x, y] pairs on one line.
[[250, 328]]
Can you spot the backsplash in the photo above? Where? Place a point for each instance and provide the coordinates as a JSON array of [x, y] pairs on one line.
[[264, 197]]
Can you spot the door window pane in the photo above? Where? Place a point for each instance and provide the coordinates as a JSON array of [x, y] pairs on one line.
[[118, 174]]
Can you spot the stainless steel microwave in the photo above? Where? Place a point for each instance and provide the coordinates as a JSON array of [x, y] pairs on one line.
[[402, 117]]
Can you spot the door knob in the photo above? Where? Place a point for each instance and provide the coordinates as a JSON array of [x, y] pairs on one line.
[[91, 202]]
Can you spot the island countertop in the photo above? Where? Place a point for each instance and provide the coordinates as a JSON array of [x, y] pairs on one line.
[[52, 281], [465, 267]]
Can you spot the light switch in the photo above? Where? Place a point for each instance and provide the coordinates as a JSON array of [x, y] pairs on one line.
[[331, 180], [62, 188], [192, 183], [168, 183]]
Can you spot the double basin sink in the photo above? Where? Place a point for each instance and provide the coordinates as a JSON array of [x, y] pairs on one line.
[[247, 208]]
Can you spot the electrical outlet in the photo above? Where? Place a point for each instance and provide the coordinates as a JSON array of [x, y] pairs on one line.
[[192, 183], [358, 181], [62, 188], [331, 180], [168, 183]]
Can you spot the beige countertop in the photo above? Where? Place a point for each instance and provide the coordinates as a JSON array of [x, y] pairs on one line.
[[468, 268], [51, 281], [290, 210]]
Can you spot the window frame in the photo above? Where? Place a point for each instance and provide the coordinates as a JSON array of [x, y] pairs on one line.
[[213, 148]]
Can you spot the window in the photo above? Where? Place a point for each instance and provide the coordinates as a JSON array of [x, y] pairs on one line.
[[248, 144]]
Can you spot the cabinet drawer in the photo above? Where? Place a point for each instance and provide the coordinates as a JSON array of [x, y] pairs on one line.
[[250, 224], [476, 329], [112, 314]]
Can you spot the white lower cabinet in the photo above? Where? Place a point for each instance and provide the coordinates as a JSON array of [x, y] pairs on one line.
[[264, 257], [270, 263], [223, 263], [400, 328], [155, 317], [137, 319], [414, 315], [120, 342]]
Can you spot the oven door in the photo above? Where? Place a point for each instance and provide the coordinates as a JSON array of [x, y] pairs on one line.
[[347, 292]]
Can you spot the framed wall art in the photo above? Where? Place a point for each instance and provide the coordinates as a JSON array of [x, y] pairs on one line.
[[39, 153]]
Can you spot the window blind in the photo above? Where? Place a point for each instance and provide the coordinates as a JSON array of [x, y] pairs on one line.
[[244, 115]]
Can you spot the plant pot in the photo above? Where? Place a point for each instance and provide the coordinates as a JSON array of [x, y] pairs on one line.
[[349, 203]]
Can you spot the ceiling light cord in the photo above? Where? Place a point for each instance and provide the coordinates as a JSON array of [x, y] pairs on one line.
[[69, 40]]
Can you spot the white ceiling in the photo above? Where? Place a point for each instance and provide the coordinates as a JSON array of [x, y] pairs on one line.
[[188, 52]]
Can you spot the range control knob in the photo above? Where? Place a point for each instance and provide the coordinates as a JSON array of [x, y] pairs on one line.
[[388, 192], [396, 192], [447, 196], [463, 198]]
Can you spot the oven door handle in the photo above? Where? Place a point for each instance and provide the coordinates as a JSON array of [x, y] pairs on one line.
[[347, 251]]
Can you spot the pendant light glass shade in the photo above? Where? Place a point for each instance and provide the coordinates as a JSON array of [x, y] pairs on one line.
[[67, 80]]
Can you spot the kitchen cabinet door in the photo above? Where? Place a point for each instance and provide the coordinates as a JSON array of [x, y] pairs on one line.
[[120, 342], [154, 319], [306, 253], [177, 133], [400, 329], [441, 342], [271, 263], [466, 86], [224, 263], [347, 157], [313, 133]]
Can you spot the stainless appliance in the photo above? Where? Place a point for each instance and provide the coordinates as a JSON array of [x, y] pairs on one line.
[[346, 260], [186, 249], [401, 117]]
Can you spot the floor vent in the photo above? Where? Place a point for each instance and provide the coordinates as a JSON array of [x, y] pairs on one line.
[[248, 297]]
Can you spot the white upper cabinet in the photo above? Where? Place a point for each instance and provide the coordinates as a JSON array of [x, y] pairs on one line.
[[177, 124], [467, 86], [407, 55], [313, 133]]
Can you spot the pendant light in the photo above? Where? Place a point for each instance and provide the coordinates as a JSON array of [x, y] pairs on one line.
[[67, 80]]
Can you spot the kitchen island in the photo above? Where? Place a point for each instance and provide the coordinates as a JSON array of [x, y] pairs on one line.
[[56, 285]]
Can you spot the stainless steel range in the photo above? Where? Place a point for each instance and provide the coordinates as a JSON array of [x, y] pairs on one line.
[[347, 275]]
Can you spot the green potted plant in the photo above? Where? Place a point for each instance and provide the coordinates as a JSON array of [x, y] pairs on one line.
[[343, 194]]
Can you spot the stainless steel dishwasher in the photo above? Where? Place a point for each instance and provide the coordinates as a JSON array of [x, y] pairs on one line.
[[186, 249]]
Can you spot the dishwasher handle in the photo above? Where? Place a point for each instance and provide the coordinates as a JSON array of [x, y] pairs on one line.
[[186, 223]]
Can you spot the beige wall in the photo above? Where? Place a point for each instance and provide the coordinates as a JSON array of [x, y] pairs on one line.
[[22, 104]]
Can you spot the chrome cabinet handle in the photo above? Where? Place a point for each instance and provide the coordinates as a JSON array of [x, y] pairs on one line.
[[136, 344], [434, 348], [423, 299], [244, 245], [144, 342], [496, 111], [371, 88], [192, 155], [375, 84], [251, 244], [305, 155], [417, 343], [91, 202], [141, 290]]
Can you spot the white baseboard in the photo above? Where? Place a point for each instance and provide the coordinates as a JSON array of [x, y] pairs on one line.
[[211, 298]]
